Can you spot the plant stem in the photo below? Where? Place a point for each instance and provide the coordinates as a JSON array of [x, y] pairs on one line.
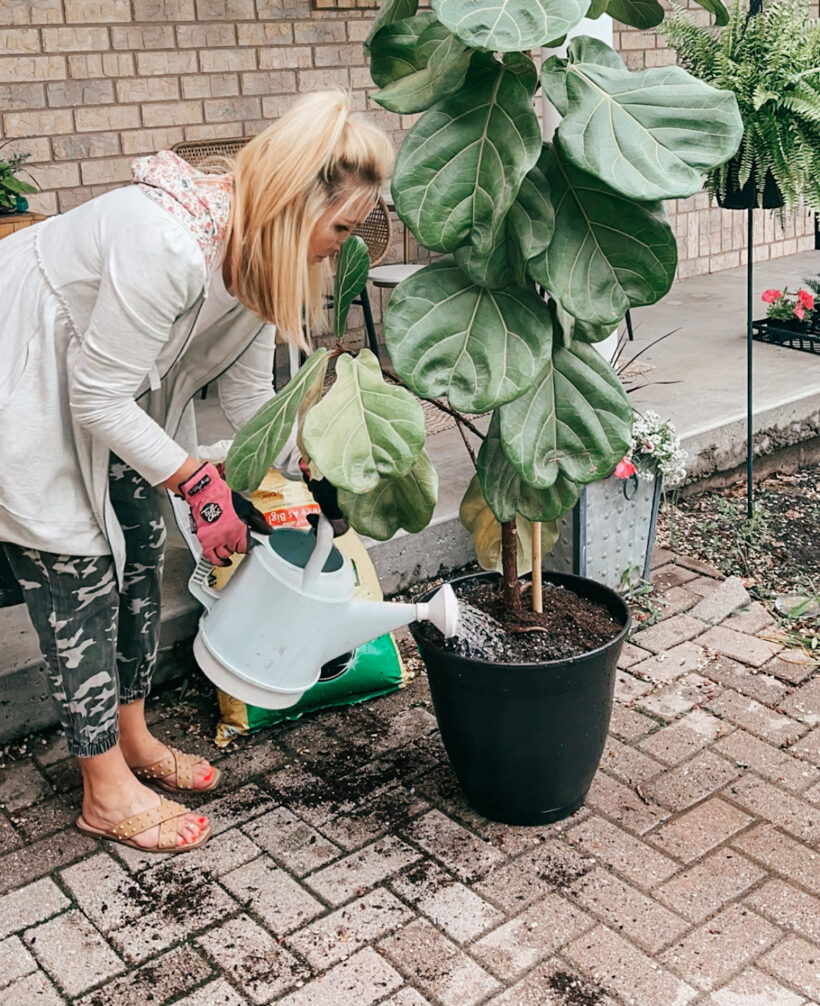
[[467, 444], [510, 587], [459, 418]]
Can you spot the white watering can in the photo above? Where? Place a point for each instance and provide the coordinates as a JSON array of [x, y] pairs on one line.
[[289, 609]]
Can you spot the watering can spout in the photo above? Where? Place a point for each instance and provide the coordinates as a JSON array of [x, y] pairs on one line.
[[366, 620]]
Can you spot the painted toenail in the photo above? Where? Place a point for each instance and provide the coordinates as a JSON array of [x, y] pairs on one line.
[[203, 820]]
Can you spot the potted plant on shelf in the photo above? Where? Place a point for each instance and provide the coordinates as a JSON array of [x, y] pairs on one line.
[[545, 246], [13, 190], [770, 60]]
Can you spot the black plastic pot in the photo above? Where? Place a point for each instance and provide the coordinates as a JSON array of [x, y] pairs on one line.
[[745, 198], [525, 740]]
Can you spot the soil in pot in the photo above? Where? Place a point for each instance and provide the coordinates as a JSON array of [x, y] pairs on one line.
[[568, 626]]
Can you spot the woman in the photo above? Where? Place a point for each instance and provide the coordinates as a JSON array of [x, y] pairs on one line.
[[117, 313]]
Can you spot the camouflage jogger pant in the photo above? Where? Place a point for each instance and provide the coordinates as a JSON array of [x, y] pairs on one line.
[[99, 644]]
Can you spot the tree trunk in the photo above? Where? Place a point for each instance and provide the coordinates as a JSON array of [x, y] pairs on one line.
[[510, 587]]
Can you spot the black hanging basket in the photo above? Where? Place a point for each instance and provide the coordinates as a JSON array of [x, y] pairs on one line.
[[746, 198]]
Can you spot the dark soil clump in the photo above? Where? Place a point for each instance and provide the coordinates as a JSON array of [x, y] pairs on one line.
[[568, 626], [575, 991]]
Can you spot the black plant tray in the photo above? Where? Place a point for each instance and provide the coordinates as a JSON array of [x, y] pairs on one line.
[[807, 337]]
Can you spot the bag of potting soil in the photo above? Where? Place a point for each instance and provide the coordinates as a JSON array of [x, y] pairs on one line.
[[374, 668]]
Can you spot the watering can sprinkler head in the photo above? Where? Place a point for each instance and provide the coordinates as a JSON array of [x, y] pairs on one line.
[[441, 610]]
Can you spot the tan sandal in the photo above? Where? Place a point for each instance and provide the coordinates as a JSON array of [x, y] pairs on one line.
[[181, 763], [164, 815]]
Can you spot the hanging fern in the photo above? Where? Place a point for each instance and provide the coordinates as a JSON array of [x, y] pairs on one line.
[[771, 61]]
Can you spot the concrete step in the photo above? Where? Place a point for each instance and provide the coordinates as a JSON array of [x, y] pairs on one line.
[[696, 377]]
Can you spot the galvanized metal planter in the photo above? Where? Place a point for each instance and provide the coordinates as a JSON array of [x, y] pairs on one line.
[[609, 533]]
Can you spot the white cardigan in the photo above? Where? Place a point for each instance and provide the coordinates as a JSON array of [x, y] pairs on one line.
[[99, 310]]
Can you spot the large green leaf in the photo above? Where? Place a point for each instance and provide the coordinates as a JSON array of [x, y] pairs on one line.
[[575, 420], [643, 14], [510, 25], [641, 132], [508, 494], [406, 502], [477, 517], [450, 337], [351, 275], [524, 234], [565, 327], [363, 429], [608, 252], [394, 49], [530, 222], [461, 166], [491, 269], [390, 11], [260, 440], [440, 74]]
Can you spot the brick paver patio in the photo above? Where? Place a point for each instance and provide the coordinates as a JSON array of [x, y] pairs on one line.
[[347, 870]]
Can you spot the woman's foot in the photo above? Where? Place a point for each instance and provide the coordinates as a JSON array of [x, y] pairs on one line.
[[111, 794], [147, 750], [140, 749]]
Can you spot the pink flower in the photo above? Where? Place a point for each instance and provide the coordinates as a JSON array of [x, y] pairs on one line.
[[770, 296], [624, 469], [800, 311], [806, 299]]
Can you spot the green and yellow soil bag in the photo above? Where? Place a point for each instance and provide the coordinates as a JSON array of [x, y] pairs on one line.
[[375, 668]]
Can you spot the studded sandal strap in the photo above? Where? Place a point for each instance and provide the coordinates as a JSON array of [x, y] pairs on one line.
[[185, 768], [175, 761], [158, 769], [164, 814]]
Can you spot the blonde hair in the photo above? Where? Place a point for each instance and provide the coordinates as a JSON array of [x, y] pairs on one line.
[[317, 155]]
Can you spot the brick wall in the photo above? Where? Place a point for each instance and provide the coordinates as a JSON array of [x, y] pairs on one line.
[[709, 238], [87, 85]]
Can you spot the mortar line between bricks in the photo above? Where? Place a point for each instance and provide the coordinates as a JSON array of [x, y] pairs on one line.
[[772, 870], [780, 978], [758, 819]]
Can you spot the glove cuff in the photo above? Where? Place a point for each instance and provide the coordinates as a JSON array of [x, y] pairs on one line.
[[203, 477]]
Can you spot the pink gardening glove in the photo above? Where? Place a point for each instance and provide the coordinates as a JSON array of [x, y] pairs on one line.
[[219, 530]]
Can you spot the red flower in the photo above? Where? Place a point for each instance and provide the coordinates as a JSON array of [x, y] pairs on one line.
[[624, 469], [770, 296], [800, 311], [806, 299]]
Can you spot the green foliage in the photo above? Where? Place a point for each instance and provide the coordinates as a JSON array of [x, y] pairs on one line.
[[365, 435], [13, 190], [548, 245], [261, 439], [352, 268], [771, 63]]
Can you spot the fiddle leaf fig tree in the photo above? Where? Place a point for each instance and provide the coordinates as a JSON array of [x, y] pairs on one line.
[[545, 245]]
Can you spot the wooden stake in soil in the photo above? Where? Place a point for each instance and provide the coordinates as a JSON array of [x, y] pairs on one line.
[[537, 594]]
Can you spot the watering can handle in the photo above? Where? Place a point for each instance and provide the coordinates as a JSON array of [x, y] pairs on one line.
[[320, 553], [198, 584], [198, 581]]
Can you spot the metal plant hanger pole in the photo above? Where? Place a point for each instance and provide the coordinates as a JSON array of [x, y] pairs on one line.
[[755, 6], [750, 463]]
